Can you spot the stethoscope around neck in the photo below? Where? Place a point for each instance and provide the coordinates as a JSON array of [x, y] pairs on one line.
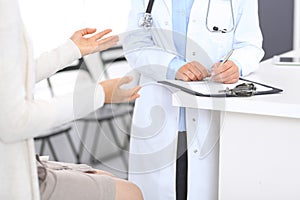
[[146, 21]]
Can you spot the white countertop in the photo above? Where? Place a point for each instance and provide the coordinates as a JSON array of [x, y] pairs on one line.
[[285, 104]]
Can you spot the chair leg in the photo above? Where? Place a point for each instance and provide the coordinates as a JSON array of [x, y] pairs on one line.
[[127, 129], [42, 148], [52, 149], [93, 159], [116, 139], [114, 133], [82, 141], [67, 133]]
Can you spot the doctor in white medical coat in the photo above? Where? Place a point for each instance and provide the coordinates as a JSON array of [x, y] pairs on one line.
[[154, 133]]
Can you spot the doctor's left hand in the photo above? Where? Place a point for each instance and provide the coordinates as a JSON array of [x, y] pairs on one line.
[[95, 43], [228, 73]]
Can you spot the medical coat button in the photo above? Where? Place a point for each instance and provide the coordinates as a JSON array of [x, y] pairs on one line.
[[194, 119], [193, 53], [196, 151]]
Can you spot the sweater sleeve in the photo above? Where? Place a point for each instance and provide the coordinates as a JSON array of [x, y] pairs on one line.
[[22, 118], [50, 62]]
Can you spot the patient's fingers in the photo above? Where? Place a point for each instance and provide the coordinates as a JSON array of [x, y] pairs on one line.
[[101, 34]]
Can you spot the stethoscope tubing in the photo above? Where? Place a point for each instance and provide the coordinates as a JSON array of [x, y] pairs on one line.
[[148, 16], [221, 30], [150, 6]]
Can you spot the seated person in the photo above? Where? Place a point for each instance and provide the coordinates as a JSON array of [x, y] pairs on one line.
[[22, 118]]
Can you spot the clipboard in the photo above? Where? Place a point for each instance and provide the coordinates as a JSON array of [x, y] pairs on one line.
[[262, 89]]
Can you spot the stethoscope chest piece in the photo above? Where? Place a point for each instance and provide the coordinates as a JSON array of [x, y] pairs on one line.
[[146, 21]]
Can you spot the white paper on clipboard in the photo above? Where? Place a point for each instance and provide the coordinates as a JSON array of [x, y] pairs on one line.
[[206, 88]]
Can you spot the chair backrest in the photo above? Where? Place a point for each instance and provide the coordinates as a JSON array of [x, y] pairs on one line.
[[113, 54], [64, 81], [80, 65], [114, 62]]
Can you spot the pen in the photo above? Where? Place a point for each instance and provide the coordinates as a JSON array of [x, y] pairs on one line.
[[221, 64], [226, 58]]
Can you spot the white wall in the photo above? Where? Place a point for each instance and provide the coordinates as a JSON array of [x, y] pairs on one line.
[[297, 25], [51, 22]]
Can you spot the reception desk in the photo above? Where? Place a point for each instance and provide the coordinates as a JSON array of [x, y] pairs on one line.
[[259, 136]]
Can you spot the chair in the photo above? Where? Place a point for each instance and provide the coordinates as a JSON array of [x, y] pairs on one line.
[[65, 129]]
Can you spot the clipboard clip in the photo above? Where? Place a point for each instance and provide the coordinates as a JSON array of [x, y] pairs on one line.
[[241, 90]]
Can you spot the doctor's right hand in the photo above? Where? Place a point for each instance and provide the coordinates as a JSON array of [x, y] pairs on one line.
[[192, 71], [114, 93]]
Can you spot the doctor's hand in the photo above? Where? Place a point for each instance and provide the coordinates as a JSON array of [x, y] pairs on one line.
[[192, 71], [228, 73], [95, 43], [114, 93]]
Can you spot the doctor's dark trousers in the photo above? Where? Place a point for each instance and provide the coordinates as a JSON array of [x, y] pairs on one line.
[[181, 167]]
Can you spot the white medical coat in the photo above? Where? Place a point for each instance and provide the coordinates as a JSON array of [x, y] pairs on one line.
[[155, 121]]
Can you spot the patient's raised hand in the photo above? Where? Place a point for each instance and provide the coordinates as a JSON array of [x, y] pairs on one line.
[[95, 43]]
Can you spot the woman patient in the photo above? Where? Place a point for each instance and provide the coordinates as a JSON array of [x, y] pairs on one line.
[[22, 118]]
